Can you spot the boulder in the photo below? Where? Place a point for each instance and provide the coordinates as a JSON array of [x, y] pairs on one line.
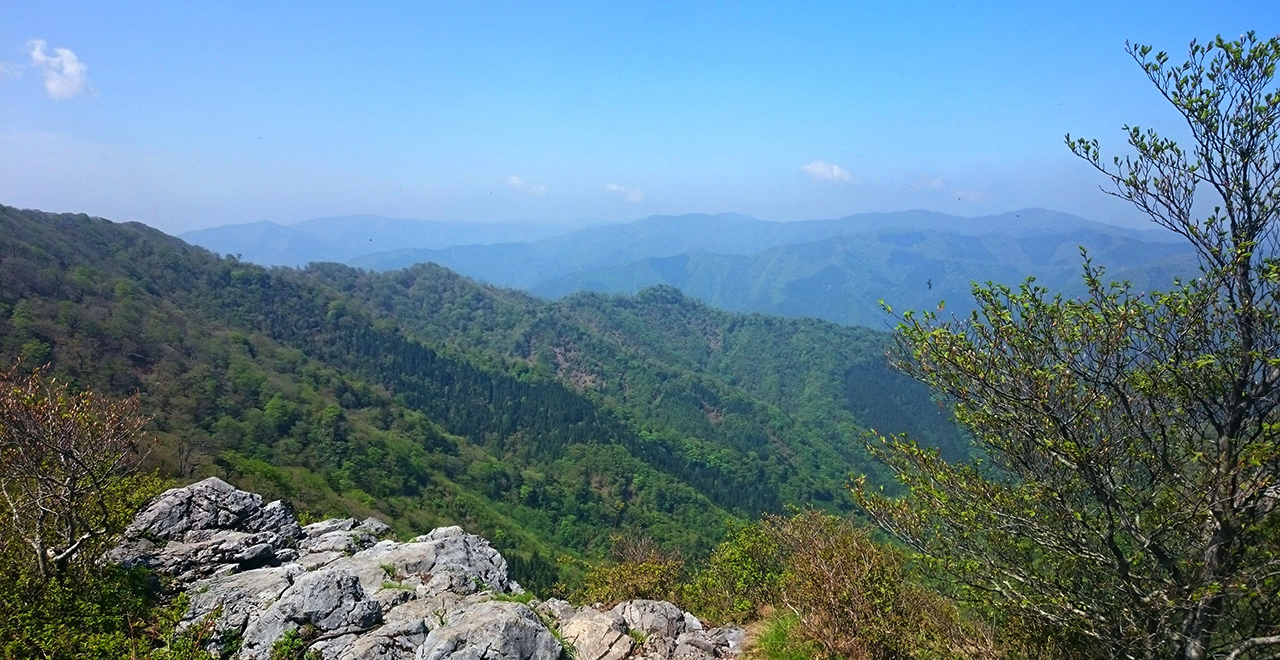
[[447, 559], [210, 505], [557, 610], [728, 639], [342, 536], [695, 646], [654, 618], [597, 635], [208, 528], [494, 630], [242, 596]]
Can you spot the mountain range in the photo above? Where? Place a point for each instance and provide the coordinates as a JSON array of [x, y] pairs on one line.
[[342, 238], [838, 270]]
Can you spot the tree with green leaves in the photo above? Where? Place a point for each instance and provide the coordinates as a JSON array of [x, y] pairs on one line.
[[1127, 502]]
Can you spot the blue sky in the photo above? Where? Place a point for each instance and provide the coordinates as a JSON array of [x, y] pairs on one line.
[[187, 115]]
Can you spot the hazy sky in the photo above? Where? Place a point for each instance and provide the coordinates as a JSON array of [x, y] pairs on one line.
[[185, 115]]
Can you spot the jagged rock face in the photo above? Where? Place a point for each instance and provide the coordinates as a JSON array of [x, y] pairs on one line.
[[351, 594], [208, 528], [333, 602], [491, 631], [652, 617], [597, 635]]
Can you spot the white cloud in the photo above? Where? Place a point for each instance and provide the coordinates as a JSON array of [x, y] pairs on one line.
[[520, 185], [633, 195], [969, 196], [63, 71], [929, 182], [9, 71], [821, 170]]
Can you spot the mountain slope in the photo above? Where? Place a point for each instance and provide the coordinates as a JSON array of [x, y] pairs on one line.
[[432, 399]]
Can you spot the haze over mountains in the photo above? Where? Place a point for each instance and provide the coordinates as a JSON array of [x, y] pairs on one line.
[[341, 238], [838, 269]]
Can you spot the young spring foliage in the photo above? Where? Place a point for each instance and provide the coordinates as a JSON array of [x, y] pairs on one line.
[[1127, 505]]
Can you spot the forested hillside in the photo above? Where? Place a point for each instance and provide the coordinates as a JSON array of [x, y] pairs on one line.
[[427, 397]]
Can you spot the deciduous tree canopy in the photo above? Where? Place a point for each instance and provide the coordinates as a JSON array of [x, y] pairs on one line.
[[1128, 502]]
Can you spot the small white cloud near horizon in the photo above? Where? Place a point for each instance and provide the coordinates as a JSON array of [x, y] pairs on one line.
[[929, 182], [969, 196], [521, 186], [821, 170], [633, 195], [63, 71]]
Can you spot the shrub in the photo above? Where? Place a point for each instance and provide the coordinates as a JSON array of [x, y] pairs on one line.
[[779, 640], [742, 575], [853, 599], [67, 469], [84, 613], [637, 569], [293, 645]]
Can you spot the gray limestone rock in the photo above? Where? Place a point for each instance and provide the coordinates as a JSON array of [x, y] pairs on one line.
[[345, 535], [370, 599], [557, 610], [494, 630], [654, 618], [341, 541], [695, 646], [210, 505], [242, 596], [331, 525], [447, 559], [597, 635], [397, 640], [728, 639], [208, 528], [374, 527], [330, 600]]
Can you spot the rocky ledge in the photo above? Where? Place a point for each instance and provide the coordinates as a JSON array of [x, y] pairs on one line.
[[347, 592]]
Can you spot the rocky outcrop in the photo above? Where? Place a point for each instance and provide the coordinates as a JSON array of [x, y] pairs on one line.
[[597, 635], [491, 630], [209, 528], [349, 593]]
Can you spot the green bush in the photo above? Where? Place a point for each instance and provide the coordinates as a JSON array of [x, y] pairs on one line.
[[85, 613], [637, 569], [742, 575], [779, 640], [293, 645], [854, 599], [820, 587]]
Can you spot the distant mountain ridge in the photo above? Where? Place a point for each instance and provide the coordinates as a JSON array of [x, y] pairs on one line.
[[837, 269], [341, 238], [845, 278], [529, 264]]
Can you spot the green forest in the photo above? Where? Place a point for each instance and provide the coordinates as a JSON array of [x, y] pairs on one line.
[[430, 399]]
